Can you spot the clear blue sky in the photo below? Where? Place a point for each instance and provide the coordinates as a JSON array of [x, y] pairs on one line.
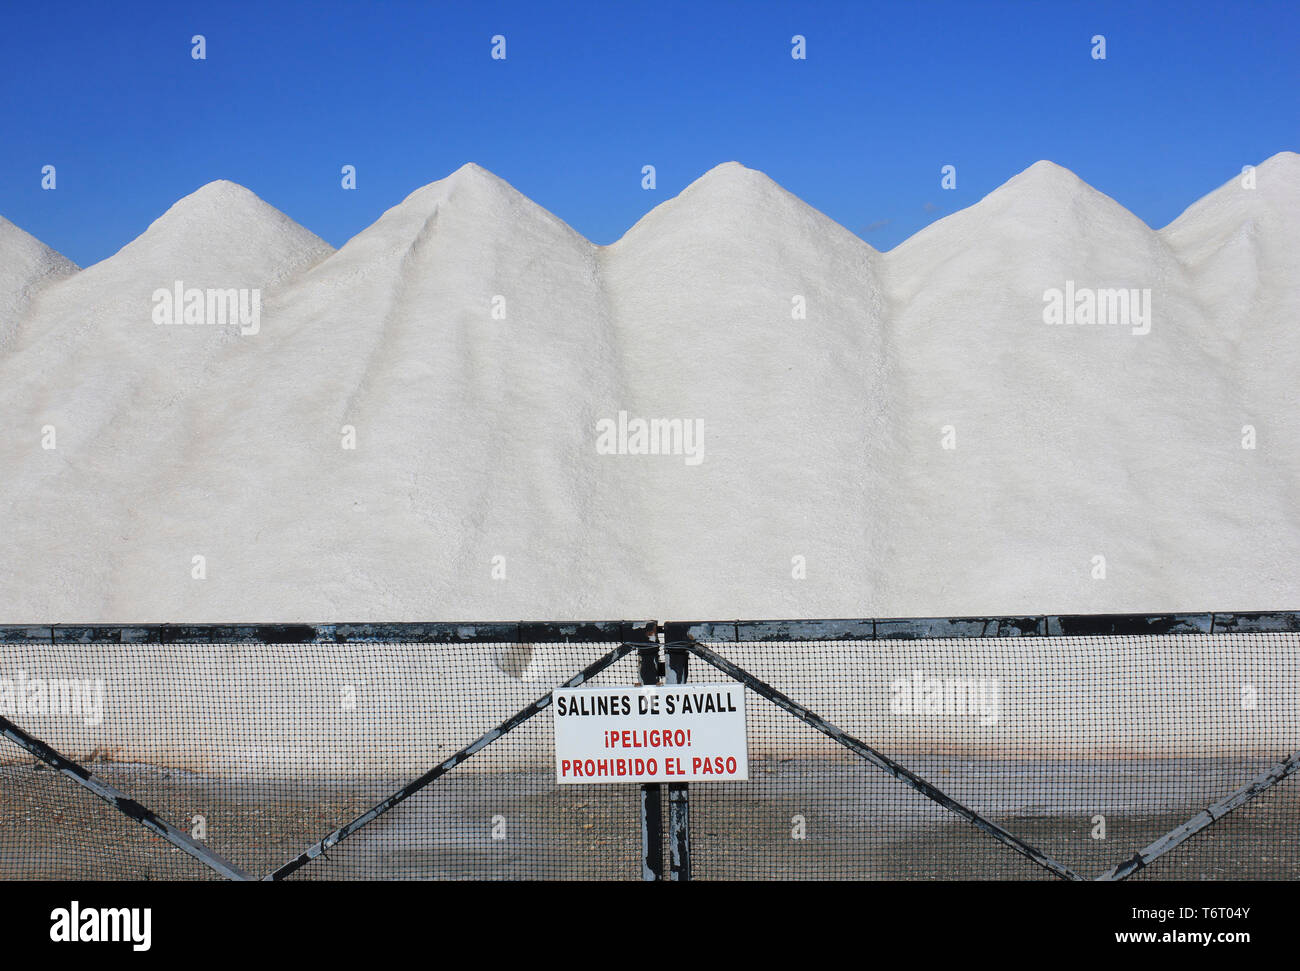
[[591, 91]]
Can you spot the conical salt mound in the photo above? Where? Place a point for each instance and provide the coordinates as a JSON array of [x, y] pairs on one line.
[[26, 265], [739, 409]]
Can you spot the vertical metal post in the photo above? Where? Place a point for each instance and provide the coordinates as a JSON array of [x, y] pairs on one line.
[[679, 797], [652, 812]]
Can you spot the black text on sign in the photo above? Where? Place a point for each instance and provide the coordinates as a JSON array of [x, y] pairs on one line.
[[666, 733]]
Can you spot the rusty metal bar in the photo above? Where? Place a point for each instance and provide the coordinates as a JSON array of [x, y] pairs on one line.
[[860, 748], [1050, 625], [482, 742], [652, 812], [679, 795], [121, 801], [1245, 794]]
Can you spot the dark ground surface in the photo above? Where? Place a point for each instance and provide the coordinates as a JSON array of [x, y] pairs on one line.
[[857, 823]]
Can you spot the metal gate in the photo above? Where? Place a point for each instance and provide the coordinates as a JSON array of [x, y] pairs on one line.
[[1016, 748]]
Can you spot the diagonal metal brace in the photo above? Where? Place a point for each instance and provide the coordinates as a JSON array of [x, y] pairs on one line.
[[482, 742], [121, 802], [1203, 819], [865, 751]]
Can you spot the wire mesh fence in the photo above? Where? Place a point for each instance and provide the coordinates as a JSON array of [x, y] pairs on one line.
[[259, 750], [1088, 749], [1027, 748]]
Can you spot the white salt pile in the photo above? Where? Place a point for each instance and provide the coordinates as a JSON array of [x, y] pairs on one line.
[[26, 264], [850, 433]]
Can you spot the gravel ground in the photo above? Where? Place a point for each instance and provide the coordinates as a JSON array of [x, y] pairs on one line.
[[802, 819]]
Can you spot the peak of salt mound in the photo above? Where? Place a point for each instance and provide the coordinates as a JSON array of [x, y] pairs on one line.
[[471, 202], [224, 233], [1249, 222], [735, 182], [214, 203], [473, 172], [1277, 179], [733, 205], [1248, 210], [732, 172], [1044, 207], [25, 265], [470, 186], [1045, 173], [221, 204], [1285, 165], [20, 248], [735, 186], [1050, 190]]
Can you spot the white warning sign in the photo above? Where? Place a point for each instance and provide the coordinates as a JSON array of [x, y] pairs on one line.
[[661, 733]]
